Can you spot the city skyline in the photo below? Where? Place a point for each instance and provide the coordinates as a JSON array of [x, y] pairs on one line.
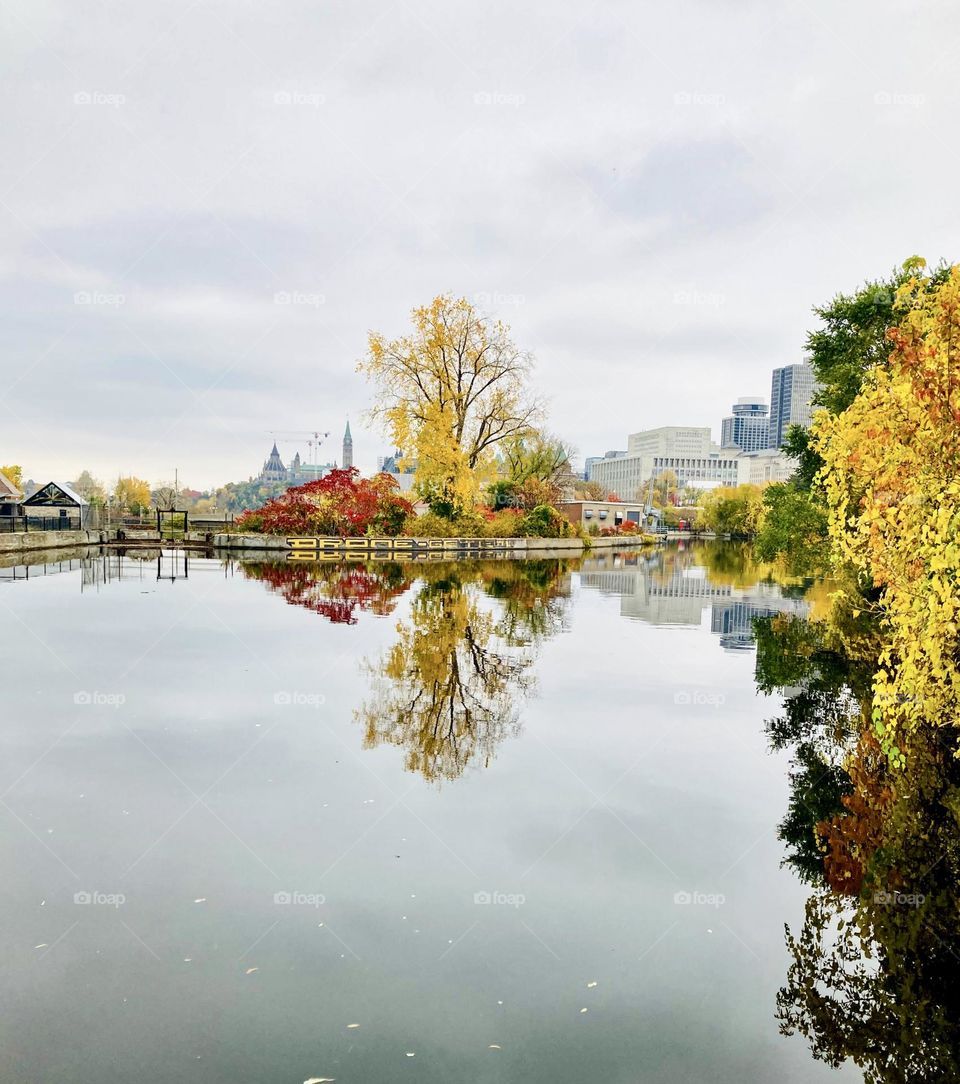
[[203, 223]]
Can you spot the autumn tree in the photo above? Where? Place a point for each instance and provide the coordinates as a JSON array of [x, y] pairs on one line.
[[733, 510], [14, 473], [449, 393], [892, 482], [90, 488], [590, 491], [662, 490], [132, 494], [849, 341]]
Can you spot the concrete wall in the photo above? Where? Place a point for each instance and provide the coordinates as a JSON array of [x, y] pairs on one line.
[[416, 547], [27, 541]]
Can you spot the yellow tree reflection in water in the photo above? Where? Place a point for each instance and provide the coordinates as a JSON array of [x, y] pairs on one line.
[[449, 690], [874, 967]]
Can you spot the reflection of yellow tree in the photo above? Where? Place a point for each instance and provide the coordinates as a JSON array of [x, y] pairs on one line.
[[873, 977], [449, 689], [873, 971]]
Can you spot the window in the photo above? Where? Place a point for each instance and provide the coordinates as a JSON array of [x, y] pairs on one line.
[[603, 513]]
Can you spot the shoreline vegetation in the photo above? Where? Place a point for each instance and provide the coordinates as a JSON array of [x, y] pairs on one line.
[[453, 395], [871, 684]]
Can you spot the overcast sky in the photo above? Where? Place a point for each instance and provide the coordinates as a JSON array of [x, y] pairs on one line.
[[652, 195]]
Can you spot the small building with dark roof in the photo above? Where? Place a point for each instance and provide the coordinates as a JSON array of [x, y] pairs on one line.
[[57, 500]]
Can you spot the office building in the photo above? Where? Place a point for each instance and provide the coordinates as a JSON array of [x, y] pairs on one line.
[[748, 427], [791, 392]]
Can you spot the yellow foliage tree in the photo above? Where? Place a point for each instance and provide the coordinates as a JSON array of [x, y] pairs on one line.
[[15, 473], [734, 510], [448, 392], [892, 481], [131, 493]]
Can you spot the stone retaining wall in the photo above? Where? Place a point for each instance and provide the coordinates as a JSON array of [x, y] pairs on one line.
[[27, 541], [306, 548]]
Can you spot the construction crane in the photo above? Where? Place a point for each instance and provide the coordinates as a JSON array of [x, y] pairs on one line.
[[311, 437]]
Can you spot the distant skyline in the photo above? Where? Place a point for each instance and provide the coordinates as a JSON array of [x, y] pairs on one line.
[[205, 207]]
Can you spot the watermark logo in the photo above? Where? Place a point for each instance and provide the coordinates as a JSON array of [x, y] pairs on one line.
[[498, 299], [299, 699], [97, 97], [496, 97], [699, 899], [896, 97], [299, 97], [299, 297], [86, 698], [698, 97], [299, 899], [699, 698], [499, 899], [899, 899], [699, 297], [97, 297], [99, 899]]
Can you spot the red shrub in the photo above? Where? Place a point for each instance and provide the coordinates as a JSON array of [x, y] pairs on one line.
[[341, 503]]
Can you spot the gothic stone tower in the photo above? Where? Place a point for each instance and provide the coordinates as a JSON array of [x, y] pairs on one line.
[[273, 468], [347, 448]]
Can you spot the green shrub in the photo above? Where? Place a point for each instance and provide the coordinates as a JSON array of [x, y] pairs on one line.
[[430, 525], [545, 522], [504, 524]]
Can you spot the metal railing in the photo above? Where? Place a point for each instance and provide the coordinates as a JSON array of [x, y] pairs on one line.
[[15, 524]]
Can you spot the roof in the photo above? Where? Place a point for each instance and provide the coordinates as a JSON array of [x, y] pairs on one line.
[[46, 495], [7, 488]]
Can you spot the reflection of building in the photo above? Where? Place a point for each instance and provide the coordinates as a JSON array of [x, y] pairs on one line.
[[659, 592], [733, 621], [748, 427]]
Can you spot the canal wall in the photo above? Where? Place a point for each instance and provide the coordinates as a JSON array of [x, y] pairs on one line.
[[310, 548], [17, 542]]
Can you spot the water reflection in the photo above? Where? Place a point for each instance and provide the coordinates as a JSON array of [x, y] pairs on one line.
[[675, 585], [873, 971], [449, 690], [337, 592]]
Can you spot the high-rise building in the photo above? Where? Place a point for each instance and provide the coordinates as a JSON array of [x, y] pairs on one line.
[[791, 391], [748, 427], [671, 440], [347, 447]]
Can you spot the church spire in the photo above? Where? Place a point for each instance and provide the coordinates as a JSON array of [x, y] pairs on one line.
[[347, 447]]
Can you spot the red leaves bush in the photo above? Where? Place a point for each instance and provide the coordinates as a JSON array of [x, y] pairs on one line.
[[341, 503]]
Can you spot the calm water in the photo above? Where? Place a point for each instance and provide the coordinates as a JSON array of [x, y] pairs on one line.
[[516, 821]]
